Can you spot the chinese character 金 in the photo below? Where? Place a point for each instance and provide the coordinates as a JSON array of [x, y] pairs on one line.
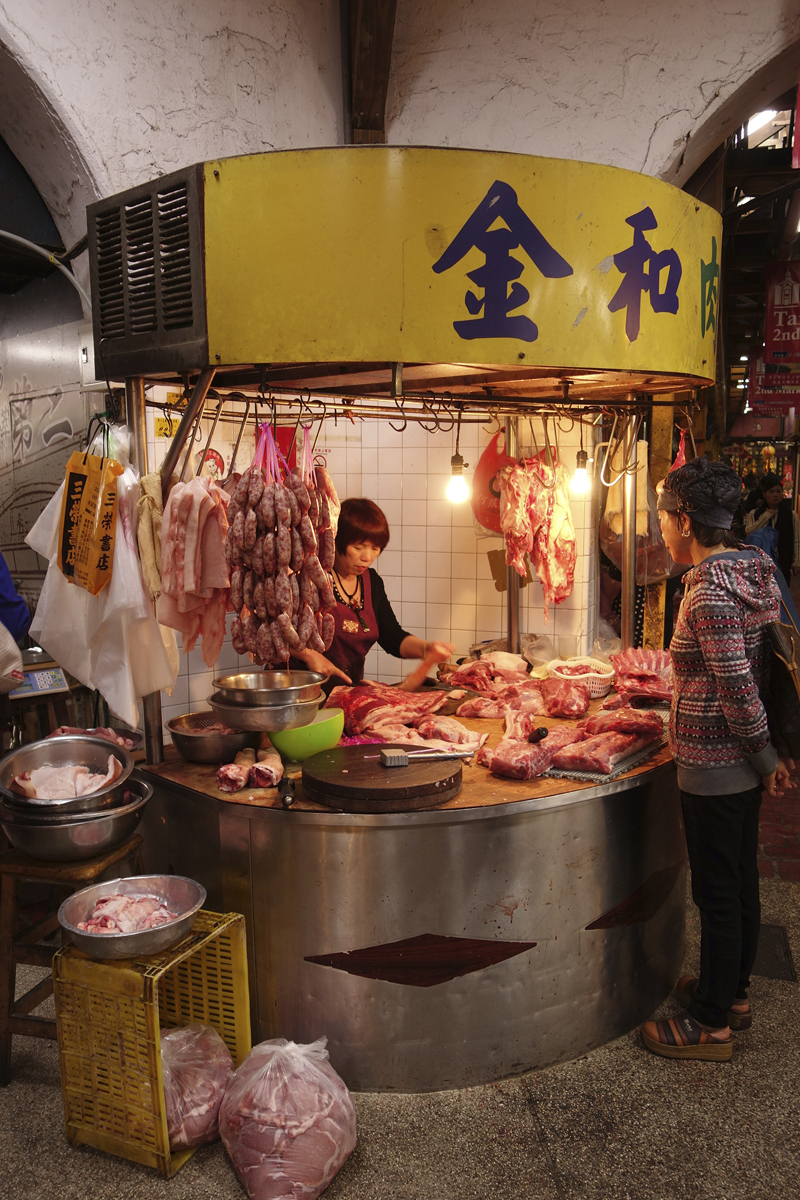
[[102, 563], [709, 291], [642, 266], [500, 269]]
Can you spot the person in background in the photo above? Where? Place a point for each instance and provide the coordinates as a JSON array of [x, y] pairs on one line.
[[721, 745], [363, 613], [752, 492], [13, 609], [773, 512]]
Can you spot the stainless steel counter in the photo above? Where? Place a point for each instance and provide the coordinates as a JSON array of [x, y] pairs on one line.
[[445, 948]]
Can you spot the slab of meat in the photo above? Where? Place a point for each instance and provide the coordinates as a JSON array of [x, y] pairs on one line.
[[536, 519], [127, 914], [196, 1066], [625, 720], [643, 674], [450, 731], [481, 707], [110, 735], [232, 777], [63, 783], [515, 520], [287, 1121], [368, 704], [519, 725], [521, 760], [602, 753], [564, 699], [267, 771], [476, 676], [529, 700], [554, 547]]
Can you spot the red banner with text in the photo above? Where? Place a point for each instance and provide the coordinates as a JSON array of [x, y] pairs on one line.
[[782, 324]]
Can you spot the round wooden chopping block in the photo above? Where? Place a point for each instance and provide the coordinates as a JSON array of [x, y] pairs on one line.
[[352, 779]]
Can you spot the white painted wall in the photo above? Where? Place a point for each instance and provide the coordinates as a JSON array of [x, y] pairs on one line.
[[623, 82], [99, 95]]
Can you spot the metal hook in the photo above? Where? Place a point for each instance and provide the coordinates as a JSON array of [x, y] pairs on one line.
[[402, 410], [220, 401], [237, 396]]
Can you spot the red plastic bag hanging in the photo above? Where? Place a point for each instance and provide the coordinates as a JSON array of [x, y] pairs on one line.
[[680, 457], [486, 487]]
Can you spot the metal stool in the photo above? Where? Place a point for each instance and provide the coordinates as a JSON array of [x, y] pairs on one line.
[[26, 947]]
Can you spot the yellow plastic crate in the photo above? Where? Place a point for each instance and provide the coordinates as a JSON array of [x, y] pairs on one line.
[[109, 1017]]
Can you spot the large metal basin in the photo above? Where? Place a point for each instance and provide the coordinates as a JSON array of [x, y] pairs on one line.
[[269, 687], [180, 895], [68, 750], [78, 835]]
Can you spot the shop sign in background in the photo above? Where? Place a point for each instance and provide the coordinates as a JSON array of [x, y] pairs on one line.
[[422, 255], [782, 322], [772, 389]]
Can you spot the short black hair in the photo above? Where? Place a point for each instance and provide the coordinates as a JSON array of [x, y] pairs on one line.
[[768, 481], [361, 521]]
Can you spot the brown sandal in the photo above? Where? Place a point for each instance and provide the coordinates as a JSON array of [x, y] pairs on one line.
[[682, 1037], [685, 989]]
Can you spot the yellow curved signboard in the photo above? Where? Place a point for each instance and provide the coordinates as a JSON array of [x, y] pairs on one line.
[[425, 255]]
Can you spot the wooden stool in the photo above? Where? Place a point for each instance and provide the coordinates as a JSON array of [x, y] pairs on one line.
[[26, 947]]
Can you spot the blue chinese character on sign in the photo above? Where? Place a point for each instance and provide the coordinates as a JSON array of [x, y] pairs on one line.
[[642, 266], [500, 204]]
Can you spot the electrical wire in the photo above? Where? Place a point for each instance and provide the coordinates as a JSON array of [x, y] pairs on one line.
[[51, 258]]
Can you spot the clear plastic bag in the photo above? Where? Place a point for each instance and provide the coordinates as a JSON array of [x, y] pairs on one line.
[[653, 560], [196, 1066], [287, 1121]]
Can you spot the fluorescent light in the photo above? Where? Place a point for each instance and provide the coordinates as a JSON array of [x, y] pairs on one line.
[[759, 120], [744, 200], [740, 386], [742, 358]]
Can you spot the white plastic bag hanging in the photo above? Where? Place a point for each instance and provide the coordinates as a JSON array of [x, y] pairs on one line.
[[287, 1121]]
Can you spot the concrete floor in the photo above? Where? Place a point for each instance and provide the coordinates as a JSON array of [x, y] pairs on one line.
[[617, 1124]]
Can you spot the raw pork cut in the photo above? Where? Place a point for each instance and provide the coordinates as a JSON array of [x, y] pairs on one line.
[[536, 518], [520, 725], [521, 760], [267, 771], [564, 699], [602, 753], [482, 707], [626, 720], [367, 705], [196, 1066], [447, 729], [110, 735], [643, 674], [529, 700], [287, 1121], [232, 777], [63, 783], [127, 914]]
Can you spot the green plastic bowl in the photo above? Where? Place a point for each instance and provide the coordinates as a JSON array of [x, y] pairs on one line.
[[323, 733]]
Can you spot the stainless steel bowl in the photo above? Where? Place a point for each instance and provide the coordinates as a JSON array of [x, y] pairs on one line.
[[78, 836], [180, 895], [269, 687], [196, 745], [267, 718], [69, 750]]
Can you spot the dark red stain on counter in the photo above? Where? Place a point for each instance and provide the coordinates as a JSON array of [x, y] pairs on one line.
[[422, 961], [642, 904]]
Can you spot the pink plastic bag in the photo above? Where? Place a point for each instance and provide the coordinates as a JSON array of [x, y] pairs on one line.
[[196, 1066], [287, 1121]]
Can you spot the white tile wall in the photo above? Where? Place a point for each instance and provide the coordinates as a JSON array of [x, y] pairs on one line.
[[435, 567]]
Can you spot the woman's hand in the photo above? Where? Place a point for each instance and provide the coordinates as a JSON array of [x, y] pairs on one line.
[[438, 651], [777, 783], [323, 666]]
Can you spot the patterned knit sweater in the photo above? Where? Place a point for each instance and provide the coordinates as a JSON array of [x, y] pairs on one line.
[[718, 726]]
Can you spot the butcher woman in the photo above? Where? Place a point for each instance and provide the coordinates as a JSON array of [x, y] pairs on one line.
[[363, 613]]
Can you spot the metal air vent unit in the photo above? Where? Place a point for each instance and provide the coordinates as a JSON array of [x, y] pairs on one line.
[[146, 260]]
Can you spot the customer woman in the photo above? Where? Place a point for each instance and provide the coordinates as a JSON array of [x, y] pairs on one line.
[[773, 515], [721, 744], [363, 613]]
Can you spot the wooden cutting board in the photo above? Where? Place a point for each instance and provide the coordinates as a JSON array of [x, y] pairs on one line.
[[352, 779]]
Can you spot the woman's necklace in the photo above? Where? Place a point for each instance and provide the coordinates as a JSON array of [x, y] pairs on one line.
[[353, 600]]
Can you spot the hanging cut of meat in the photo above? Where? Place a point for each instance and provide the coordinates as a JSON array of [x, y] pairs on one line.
[[536, 518], [602, 753], [564, 699], [367, 705]]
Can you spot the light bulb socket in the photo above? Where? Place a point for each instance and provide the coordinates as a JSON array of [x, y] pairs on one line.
[[457, 464], [581, 460]]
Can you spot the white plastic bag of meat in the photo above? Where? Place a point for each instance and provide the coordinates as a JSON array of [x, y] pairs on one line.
[[287, 1121], [196, 1066]]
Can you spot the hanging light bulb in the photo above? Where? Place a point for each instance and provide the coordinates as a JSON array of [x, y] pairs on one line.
[[457, 489], [580, 482]]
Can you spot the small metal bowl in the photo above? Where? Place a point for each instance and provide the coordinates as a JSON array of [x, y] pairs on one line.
[[267, 718], [66, 751], [195, 745], [78, 835], [180, 895], [260, 688]]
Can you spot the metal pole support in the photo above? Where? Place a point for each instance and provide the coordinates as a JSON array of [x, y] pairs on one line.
[[195, 404], [512, 593], [628, 622], [137, 418]]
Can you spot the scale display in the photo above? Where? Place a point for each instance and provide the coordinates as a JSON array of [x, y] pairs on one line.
[[41, 683]]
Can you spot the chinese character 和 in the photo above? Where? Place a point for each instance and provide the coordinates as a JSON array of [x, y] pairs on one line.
[[642, 266]]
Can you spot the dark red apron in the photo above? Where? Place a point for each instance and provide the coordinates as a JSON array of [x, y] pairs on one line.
[[352, 642]]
